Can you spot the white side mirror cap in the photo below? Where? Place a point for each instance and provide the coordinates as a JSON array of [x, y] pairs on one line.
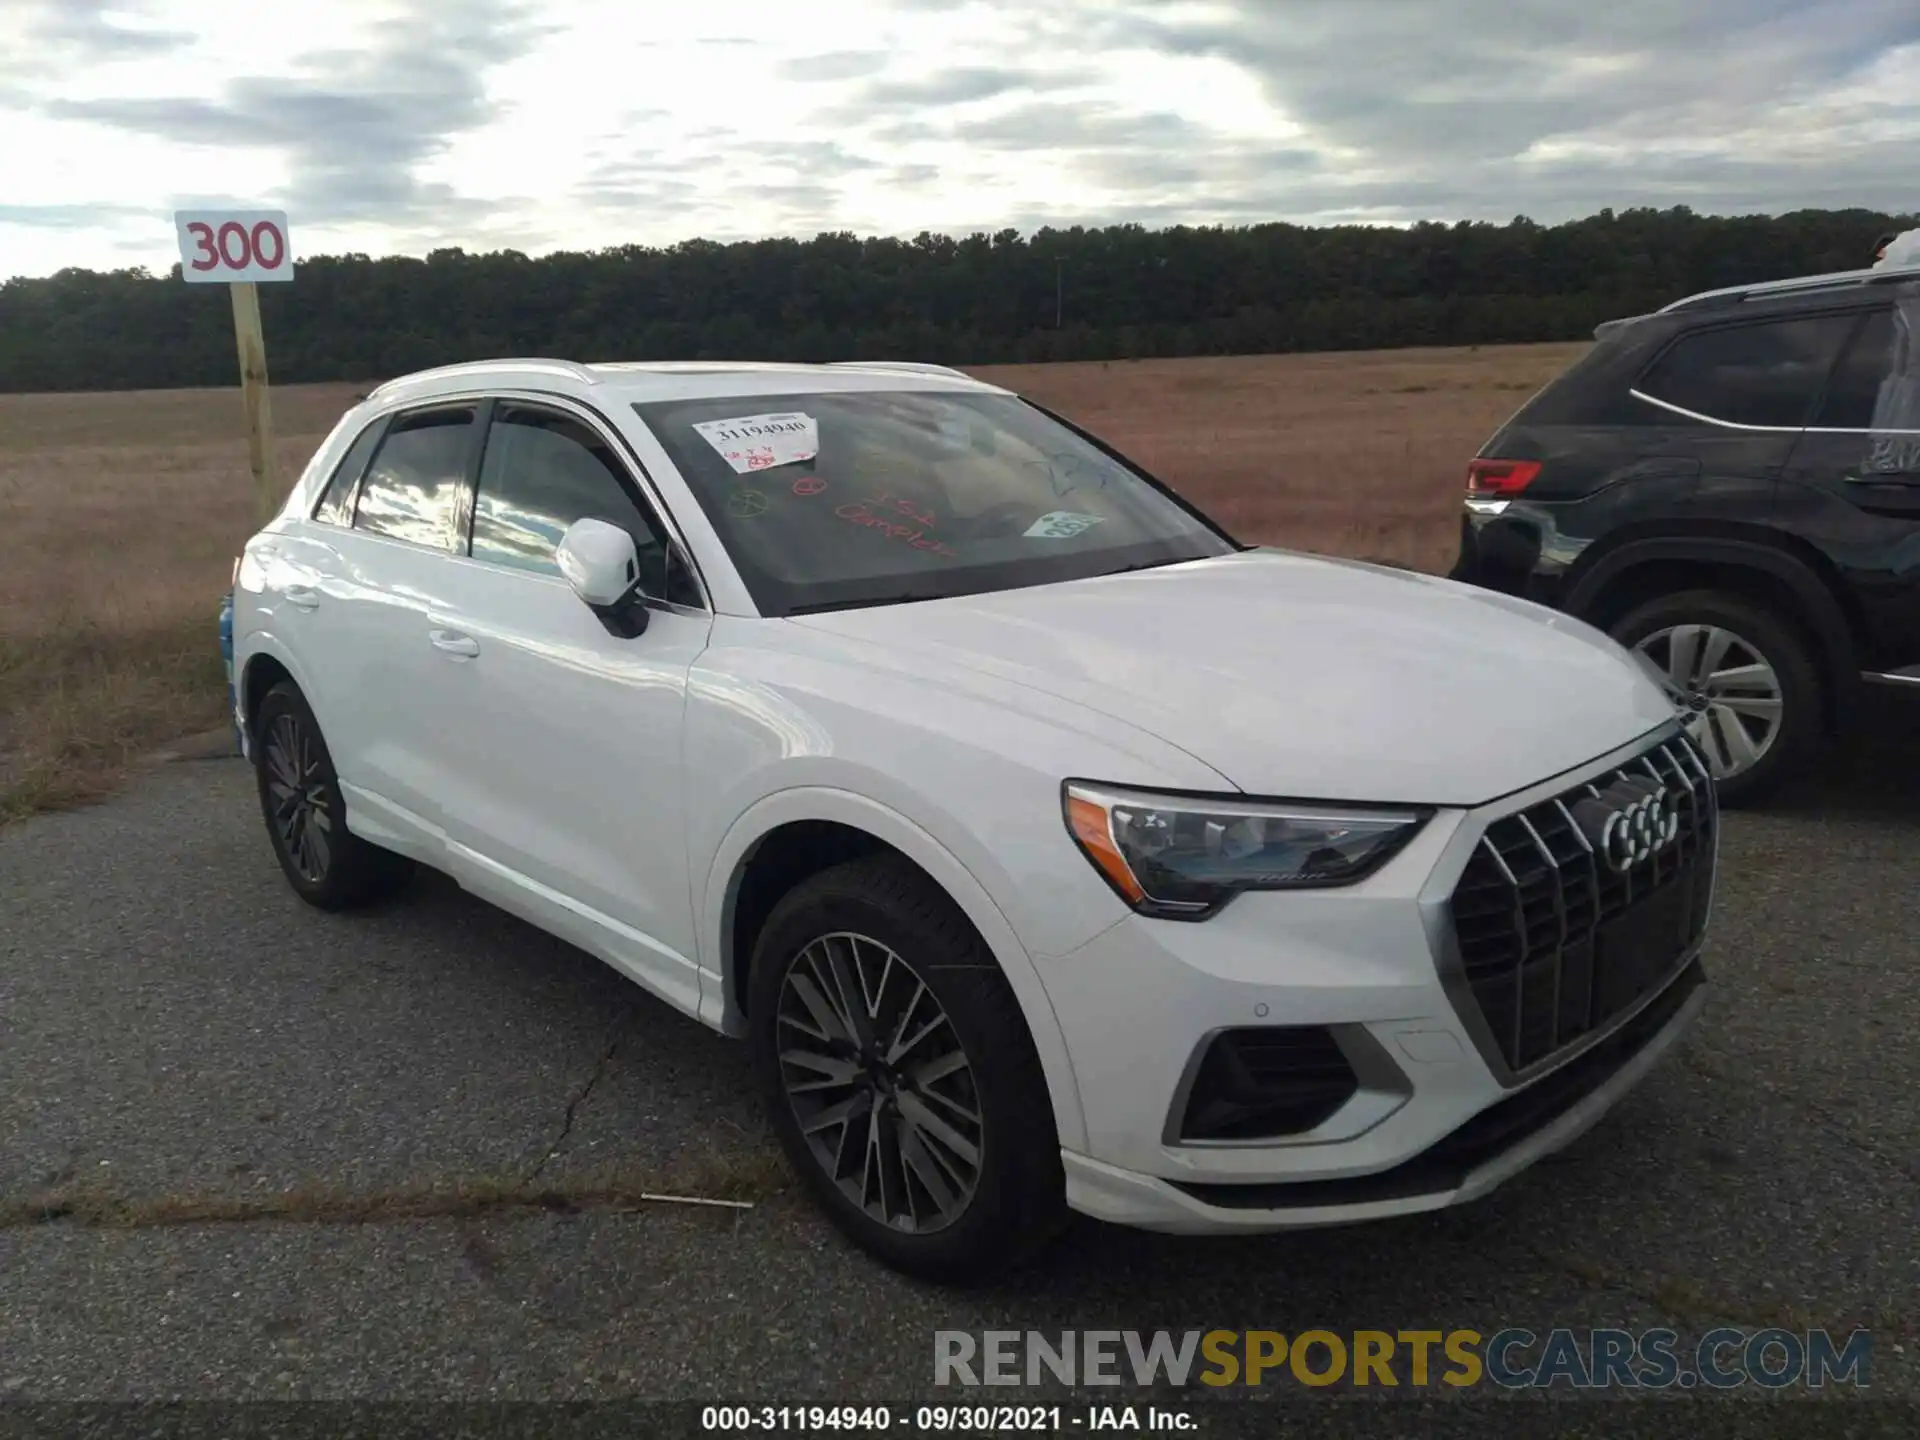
[[598, 561]]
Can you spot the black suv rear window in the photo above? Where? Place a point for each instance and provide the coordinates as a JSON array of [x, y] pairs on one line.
[[1763, 374]]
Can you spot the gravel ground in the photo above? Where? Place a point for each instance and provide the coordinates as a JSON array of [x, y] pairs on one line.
[[250, 1152]]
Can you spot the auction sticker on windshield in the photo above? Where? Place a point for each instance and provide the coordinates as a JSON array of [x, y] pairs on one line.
[[1060, 525], [760, 442]]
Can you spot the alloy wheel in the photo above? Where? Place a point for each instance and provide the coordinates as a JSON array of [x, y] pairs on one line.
[[880, 1083], [1730, 698], [297, 791]]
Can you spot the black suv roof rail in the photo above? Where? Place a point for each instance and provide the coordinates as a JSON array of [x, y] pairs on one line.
[[1837, 280]]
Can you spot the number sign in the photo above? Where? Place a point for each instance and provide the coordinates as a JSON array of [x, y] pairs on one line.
[[229, 245]]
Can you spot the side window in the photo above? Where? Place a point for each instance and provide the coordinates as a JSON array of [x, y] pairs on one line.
[[333, 507], [543, 471], [1877, 383], [1766, 374], [415, 478]]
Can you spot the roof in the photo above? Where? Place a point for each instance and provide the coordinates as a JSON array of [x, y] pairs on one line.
[[1801, 284], [644, 380]]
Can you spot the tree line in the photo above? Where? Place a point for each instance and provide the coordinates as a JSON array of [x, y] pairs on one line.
[[1118, 292]]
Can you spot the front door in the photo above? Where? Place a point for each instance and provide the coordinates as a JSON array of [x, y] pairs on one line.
[[566, 803]]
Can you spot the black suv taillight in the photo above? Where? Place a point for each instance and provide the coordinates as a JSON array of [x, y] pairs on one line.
[[1500, 477], [1256, 1083]]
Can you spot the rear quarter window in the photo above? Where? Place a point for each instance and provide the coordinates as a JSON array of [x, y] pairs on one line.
[[1766, 374]]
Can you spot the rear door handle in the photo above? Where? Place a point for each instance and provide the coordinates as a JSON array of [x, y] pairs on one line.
[[305, 596], [452, 642], [1894, 492]]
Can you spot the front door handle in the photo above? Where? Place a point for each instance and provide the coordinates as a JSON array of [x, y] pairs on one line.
[[304, 596], [452, 642]]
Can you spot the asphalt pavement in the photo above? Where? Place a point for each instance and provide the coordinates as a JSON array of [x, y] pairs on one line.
[[253, 1152]]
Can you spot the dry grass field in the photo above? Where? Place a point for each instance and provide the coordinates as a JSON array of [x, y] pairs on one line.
[[120, 513], [1361, 455]]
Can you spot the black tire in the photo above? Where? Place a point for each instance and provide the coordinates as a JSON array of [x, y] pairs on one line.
[[1017, 1200], [1782, 646], [327, 865]]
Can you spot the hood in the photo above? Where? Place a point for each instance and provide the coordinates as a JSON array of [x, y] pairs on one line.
[[1301, 677]]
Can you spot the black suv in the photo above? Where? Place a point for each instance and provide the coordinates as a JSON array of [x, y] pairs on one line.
[[1730, 486]]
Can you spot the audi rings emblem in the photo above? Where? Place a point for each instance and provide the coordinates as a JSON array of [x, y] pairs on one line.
[[1629, 822], [1635, 833]]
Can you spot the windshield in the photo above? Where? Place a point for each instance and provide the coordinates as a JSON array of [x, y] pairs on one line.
[[862, 497]]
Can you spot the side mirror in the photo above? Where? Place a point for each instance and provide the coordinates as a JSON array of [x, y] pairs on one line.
[[599, 561]]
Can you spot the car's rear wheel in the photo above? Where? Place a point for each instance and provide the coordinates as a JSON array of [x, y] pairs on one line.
[[327, 865], [1745, 680], [900, 1075]]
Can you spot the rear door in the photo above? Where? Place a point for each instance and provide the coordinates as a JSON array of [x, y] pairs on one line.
[[300, 563], [391, 545], [1852, 487], [1734, 398], [566, 800]]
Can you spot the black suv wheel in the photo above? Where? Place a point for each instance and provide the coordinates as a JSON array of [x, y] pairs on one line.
[[900, 1076], [1744, 678]]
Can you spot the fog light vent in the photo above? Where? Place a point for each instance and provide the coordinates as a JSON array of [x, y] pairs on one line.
[[1259, 1083]]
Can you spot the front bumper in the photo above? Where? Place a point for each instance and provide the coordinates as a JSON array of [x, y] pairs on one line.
[[1437, 1115], [1459, 1168]]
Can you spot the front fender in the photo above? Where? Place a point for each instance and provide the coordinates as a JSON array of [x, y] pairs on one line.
[[720, 1007]]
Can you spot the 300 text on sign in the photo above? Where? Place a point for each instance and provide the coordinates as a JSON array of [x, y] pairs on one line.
[[231, 245]]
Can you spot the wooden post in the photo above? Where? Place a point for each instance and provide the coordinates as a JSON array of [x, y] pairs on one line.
[[252, 346], [240, 248]]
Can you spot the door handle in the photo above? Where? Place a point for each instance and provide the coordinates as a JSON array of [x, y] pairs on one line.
[[304, 596], [1892, 493], [452, 642]]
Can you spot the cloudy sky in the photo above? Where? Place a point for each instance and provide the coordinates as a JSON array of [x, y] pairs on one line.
[[399, 125]]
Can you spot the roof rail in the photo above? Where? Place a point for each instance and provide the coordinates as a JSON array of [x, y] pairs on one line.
[[911, 367], [1734, 294], [571, 369]]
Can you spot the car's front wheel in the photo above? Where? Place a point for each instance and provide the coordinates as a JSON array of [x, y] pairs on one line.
[[900, 1075], [327, 865], [1744, 679]]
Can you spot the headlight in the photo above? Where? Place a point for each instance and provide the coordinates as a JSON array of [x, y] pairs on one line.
[[1183, 857]]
